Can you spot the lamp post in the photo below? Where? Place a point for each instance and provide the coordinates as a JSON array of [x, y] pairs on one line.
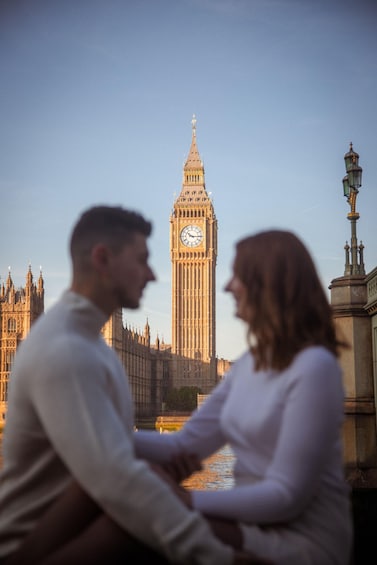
[[351, 185]]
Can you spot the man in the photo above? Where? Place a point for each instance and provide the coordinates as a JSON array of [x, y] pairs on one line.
[[70, 422]]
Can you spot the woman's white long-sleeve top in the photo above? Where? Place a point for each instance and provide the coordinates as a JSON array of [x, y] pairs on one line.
[[285, 430]]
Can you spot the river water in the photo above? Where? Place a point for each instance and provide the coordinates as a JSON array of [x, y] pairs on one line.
[[216, 473]]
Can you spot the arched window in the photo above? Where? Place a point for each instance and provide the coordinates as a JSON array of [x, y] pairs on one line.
[[9, 358]]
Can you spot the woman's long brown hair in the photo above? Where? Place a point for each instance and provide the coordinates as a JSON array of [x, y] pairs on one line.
[[288, 307]]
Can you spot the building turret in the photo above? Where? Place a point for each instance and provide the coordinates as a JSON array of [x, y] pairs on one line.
[[19, 308]]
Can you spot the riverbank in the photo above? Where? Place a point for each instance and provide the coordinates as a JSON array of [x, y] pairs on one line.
[[167, 422]]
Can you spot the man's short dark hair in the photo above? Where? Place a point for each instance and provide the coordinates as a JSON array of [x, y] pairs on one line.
[[112, 225]]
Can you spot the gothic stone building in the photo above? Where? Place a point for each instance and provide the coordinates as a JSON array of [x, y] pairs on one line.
[[153, 368], [149, 366], [19, 308]]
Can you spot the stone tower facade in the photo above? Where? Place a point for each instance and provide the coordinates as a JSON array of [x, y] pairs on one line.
[[19, 308], [193, 252]]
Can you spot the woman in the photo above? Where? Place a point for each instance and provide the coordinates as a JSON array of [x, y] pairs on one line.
[[280, 408]]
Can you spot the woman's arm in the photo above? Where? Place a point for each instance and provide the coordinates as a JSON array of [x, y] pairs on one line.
[[201, 435]]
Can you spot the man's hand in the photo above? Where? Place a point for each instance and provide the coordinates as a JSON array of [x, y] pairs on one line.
[[181, 466], [180, 491]]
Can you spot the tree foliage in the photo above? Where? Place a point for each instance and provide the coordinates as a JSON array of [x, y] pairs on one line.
[[183, 399]]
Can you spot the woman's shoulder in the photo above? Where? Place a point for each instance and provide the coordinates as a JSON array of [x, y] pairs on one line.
[[318, 353], [244, 361], [316, 361]]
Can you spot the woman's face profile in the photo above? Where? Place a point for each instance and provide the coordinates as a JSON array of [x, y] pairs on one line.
[[239, 292]]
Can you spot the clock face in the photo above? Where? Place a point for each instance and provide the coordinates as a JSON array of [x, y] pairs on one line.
[[191, 236]]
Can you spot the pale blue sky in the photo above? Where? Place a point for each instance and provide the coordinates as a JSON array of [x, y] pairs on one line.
[[96, 101]]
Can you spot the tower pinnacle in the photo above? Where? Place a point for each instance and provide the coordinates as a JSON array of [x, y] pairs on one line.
[[193, 123]]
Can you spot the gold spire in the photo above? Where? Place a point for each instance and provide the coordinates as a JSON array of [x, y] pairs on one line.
[[193, 160]]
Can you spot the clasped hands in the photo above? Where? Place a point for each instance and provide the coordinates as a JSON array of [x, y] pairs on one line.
[[179, 468]]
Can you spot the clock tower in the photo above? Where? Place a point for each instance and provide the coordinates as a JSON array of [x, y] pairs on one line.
[[193, 248]]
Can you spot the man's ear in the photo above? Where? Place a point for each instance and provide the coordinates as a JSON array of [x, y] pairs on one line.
[[100, 257]]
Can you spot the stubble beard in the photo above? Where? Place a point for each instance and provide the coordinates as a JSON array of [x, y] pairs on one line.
[[126, 301]]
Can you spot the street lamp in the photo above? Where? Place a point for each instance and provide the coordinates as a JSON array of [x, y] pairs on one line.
[[351, 185]]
